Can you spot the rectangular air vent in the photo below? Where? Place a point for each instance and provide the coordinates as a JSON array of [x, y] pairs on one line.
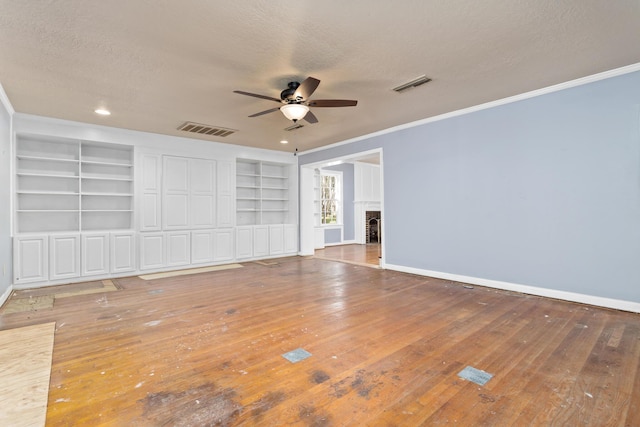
[[413, 83], [205, 129], [294, 127]]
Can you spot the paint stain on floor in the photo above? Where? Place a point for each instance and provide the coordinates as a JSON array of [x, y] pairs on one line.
[[362, 383], [265, 403], [318, 377], [310, 416], [205, 405]]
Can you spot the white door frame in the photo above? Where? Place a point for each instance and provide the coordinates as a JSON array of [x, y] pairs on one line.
[[307, 205]]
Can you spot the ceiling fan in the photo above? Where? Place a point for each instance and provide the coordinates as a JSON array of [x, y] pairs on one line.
[[296, 101]]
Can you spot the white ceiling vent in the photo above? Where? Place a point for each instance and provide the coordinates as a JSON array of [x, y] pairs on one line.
[[205, 129], [294, 127], [413, 83]]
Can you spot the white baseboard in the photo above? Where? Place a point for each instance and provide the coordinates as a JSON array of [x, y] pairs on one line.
[[5, 296], [525, 289], [344, 242]]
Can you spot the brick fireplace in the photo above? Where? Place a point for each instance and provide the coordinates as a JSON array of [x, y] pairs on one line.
[[373, 229]]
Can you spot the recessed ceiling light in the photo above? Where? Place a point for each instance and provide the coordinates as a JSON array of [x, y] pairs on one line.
[[102, 112], [284, 141]]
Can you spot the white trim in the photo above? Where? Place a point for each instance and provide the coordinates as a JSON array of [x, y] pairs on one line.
[[525, 289], [4, 99], [342, 243], [543, 91], [347, 158], [5, 296]]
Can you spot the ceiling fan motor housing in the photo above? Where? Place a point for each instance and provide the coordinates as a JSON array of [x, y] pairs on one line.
[[287, 94]]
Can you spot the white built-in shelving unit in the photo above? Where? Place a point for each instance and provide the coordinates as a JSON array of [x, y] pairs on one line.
[[262, 193], [65, 185]]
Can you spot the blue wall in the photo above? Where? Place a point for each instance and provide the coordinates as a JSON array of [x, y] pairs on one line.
[[542, 192], [348, 197], [332, 235]]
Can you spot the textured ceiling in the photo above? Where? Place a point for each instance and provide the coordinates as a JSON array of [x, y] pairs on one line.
[[158, 63]]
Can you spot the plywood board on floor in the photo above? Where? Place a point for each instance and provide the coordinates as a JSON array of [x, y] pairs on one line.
[[107, 286], [189, 271], [25, 369], [19, 305]]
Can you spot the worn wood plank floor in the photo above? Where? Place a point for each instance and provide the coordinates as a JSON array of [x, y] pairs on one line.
[[356, 254], [386, 347]]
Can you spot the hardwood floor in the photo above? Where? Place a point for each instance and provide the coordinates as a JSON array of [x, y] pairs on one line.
[[356, 254], [387, 347]]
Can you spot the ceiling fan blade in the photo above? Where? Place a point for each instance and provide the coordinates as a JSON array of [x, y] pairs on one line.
[[306, 88], [255, 95], [310, 117], [332, 103], [270, 110]]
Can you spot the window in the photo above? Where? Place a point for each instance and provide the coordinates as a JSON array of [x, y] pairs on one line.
[[331, 198]]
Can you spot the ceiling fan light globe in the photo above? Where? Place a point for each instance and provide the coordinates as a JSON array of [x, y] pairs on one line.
[[294, 112]]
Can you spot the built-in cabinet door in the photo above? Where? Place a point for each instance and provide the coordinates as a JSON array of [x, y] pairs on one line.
[[224, 244], [175, 213], [276, 239], [260, 240], [175, 193], [226, 194], [95, 254], [64, 256], [123, 252], [178, 248], [290, 238], [226, 175], [203, 193], [150, 212], [189, 193], [202, 246], [31, 259], [244, 242], [202, 210], [150, 198], [226, 209], [151, 251]]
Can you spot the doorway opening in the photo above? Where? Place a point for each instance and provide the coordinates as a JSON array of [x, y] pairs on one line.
[[358, 236]]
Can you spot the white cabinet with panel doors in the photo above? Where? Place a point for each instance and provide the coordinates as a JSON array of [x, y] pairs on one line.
[[30, 259], [178, 246], [95, 254], [105, 253], [259, 241], [64, 256], [150, 178], [188, 193], [152, 251], [290, 238], [122, 251], [244, 242], [202, 246], [224, 244]]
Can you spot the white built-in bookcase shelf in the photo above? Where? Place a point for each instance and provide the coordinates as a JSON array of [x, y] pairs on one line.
[[262, 192], [69, 185]]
